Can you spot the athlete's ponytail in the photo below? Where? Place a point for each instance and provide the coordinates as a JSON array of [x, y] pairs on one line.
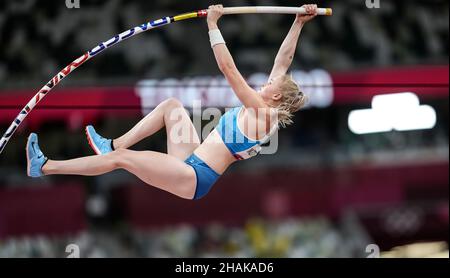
[[293, 99]]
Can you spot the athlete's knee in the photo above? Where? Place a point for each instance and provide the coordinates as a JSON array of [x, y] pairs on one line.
[[173, 103], [174, 110], [118, 158]]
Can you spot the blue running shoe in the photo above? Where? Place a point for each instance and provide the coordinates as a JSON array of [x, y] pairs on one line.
[[99, 144], [35, 157]]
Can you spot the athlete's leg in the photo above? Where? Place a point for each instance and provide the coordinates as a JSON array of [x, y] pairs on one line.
[[157, 169], [172, 115]]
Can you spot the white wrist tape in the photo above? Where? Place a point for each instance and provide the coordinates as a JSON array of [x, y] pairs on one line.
[[215, 37]]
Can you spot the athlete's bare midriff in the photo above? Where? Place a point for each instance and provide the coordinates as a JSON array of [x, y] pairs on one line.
[[214, 153], [213, 150]]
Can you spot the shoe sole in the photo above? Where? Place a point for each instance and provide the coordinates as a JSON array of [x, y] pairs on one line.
[[28, 157], [90, 141]]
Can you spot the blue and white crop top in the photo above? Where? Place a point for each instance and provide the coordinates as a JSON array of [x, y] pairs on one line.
[[240, 146]]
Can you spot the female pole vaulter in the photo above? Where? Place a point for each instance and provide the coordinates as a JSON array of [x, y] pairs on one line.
[[189, 169]]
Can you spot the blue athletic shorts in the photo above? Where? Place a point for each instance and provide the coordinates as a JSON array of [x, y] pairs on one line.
[[206, 177]]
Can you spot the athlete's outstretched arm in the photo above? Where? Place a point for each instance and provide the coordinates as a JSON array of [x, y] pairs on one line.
[[286, 53], [243, 91]]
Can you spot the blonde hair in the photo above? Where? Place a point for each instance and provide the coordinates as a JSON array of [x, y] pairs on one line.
[[291, 101]]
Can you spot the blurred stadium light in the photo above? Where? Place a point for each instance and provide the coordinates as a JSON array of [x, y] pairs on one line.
[[401, 112]]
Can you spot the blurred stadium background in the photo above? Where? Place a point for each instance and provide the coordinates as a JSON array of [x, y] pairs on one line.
[[327, 192]]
